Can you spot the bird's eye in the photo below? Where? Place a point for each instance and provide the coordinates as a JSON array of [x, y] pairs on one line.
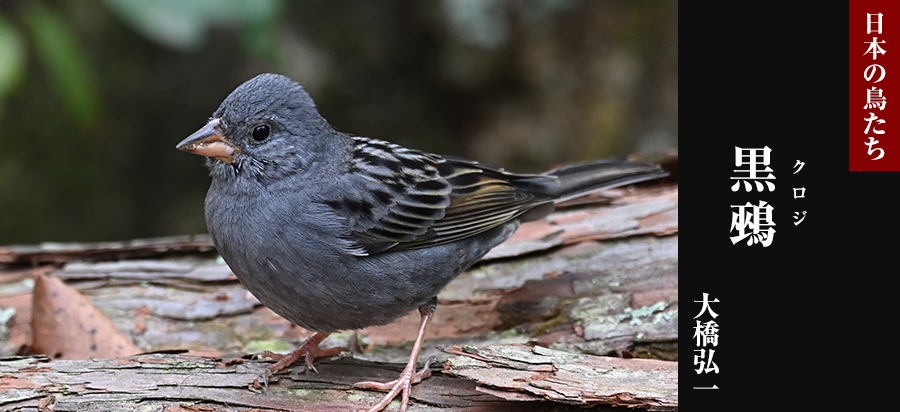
[[260, 132]]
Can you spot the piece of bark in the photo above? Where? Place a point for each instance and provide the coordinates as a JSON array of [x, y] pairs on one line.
[[173, 382], [516, 372], [67, 252], [651, 211]]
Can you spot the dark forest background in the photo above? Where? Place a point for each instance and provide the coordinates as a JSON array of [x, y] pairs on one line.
[[94, 94]]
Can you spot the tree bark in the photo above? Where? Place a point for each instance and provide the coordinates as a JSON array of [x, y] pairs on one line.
[[600, 279], [506, 375]]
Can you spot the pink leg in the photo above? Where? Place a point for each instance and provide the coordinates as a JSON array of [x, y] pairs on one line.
[[310, 348], [407, 378]]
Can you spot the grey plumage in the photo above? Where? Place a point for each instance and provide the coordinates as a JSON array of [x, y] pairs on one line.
[[335, 232]]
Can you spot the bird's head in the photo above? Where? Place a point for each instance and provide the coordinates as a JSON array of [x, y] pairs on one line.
[[266, 128]]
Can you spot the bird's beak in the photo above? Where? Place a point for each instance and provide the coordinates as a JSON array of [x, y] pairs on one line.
[[209, 141]]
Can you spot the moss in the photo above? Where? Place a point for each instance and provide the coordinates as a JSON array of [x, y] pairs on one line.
[[273, 345]]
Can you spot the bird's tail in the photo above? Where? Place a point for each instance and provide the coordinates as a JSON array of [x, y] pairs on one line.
[[582, 178], [571, 181]]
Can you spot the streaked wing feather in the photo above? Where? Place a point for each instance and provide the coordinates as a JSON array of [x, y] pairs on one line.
[[412, 199]]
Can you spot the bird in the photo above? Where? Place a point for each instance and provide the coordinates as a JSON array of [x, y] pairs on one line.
[[334, 231]]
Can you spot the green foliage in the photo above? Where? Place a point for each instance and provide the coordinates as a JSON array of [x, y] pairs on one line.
[[64, 62], [182, 25], [12, 58], [176, 24]]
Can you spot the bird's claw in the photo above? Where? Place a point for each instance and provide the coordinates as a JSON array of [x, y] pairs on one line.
[[265, 378], [401, 385], [309, 349]]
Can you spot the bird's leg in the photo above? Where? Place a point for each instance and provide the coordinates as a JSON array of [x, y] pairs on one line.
[[310, 348], [353, 343], [409, 376]]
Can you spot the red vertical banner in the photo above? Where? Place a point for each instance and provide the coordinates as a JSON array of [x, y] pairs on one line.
[[874, 72]]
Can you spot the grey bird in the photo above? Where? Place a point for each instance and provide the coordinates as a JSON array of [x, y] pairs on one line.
[[334, 232]]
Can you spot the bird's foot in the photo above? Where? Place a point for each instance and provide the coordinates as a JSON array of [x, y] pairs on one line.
[[310, 349], [404, 383]]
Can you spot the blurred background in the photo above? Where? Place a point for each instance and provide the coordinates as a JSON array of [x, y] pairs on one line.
[[95, 94]]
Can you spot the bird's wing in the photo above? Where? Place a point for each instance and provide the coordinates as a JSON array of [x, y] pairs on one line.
[[406, 199]]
